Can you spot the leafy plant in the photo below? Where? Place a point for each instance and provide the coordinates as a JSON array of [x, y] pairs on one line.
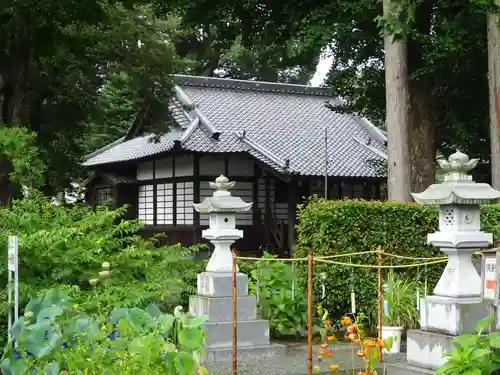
[[474, 354], [64, 245], [285, 309], [54, 338], [400, 298]]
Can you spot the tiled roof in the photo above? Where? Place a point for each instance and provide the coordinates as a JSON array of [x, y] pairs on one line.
[[282, 125]]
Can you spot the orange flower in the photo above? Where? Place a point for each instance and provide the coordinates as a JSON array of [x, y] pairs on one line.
[[334, 368], [331, 338], [369, 343], [380, 344], [329, 354], [346, 321], [360, 353], [352, 329]]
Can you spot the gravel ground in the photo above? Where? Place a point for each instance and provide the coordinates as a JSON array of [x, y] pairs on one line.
[[295, 362]]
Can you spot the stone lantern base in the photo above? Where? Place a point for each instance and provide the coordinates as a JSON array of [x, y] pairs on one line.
[[215, 299]]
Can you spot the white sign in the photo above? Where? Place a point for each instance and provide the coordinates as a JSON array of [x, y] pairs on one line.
[[12, 253], [490, 277]]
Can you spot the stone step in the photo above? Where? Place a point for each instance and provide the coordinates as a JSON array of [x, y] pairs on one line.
[[406, 369], [217, 284], [246, 352], [250, 333], [221, 309]]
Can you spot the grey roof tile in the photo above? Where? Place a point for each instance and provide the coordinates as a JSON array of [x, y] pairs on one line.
[[287, 122]]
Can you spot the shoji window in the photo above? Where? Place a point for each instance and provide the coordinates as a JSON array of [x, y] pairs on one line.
[[146, 204], [184, 206], [165, 204], [104, 194]]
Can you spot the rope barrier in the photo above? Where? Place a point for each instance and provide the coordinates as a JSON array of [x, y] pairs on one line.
[[388, 267], [343, 256]]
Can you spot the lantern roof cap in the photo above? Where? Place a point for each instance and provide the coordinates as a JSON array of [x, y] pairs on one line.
[[458, 186], [222, 200]]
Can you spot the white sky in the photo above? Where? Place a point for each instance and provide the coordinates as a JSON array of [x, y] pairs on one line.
[[322, 69]]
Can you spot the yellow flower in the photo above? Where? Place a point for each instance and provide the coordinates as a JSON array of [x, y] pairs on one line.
[[316, 368], [28, 314], [334, 368]]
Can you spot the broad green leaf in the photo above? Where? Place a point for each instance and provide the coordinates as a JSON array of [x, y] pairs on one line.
[[139, 346], [191, 338], [447, 368], [484, 323], [465, 340], [186, 363], [49, 313], [197, 322], [494, 339], [166, 322], [478, 354], [153, 310], [118, 314], [140, 320], [472, 371]]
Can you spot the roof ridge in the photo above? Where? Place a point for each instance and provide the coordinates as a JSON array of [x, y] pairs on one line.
[[263, 86], [185, 100], [285, 164], [104, 148], [189, 131]]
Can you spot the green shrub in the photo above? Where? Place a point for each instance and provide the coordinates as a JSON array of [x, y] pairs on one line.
[[65, 245], [285, 308], [350, 226]]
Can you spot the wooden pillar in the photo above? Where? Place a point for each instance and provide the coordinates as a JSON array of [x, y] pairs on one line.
[[196, 197], [292, 214]]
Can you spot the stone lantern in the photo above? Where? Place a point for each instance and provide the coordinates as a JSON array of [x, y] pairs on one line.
[[222, 208], [214, 287], [456, 304]]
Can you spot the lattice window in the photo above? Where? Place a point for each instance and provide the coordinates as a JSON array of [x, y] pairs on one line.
[[184, 206], [449, 217], [165, 204], [104, 195], [146, 204]]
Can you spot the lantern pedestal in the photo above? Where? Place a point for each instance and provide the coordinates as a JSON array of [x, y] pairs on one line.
[[215, 286]]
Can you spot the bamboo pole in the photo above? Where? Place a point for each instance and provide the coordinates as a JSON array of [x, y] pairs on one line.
[[379, 291], [309, 312], [235, 318]]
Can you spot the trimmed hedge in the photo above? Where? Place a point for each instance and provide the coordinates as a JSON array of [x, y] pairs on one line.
[[337, 227]]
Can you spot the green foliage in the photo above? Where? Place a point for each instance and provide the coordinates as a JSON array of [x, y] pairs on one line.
[[341, 227], [66, 246], [18, 145], [474, 354], [400, 292], [286, 309], [54, 337]]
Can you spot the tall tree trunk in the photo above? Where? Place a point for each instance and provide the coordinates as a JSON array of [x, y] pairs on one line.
[[494, 93], [423, 133], [15, 106], [397, 114]]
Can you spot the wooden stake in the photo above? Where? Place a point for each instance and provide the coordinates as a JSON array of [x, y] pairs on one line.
[[380, 303], [309, 312], [235, 318]]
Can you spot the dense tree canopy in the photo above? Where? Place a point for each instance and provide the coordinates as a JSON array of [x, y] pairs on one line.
[[78, 73], [447, 59]]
